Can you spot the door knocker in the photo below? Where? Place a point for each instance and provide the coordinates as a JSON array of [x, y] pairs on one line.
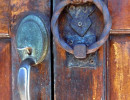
[[85, 43]]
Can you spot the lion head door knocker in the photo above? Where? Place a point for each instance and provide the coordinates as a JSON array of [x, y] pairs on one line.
[[79, 39]]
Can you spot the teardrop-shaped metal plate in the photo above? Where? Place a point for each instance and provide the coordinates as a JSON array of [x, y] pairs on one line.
[[31, 33]]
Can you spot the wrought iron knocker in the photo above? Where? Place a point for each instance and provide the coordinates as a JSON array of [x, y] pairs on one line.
[[80, 50]]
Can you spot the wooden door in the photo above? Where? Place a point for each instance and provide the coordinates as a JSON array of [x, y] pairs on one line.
[[110, 79], [118, 68], [11, 13], [60, 76]]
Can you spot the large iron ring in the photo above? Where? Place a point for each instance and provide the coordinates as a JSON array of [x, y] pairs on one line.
[[105, 34]]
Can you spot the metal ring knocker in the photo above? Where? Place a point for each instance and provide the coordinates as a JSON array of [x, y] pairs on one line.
[[95, 46], [32, 46]]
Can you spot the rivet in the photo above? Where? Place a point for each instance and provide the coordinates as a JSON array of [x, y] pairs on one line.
[[91, 61], [80, 24]]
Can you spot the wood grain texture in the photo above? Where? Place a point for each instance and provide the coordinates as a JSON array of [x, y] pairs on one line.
[[78, 83], [119, 10], [119, 68], [41, 74], [5, 69], [4, 16]]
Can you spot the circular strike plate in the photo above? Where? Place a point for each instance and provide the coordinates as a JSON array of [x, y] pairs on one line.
[[32, 39]]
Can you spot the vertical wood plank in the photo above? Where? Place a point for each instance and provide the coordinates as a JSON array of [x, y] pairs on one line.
[[41, 74], [78, 83], [5, 69], [119, 68]]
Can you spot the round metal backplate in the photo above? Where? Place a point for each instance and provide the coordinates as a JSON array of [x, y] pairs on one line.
[[31, 33]]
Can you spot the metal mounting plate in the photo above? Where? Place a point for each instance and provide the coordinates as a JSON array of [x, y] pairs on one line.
[[31, 33], [91, 61]]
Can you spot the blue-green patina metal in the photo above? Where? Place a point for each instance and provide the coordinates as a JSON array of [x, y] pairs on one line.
[[32, 39]]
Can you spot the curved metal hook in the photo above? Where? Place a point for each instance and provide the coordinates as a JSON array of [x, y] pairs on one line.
[[23, 81]]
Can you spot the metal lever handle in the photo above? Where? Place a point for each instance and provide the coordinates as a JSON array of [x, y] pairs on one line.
[[23, 81], [32, 46]]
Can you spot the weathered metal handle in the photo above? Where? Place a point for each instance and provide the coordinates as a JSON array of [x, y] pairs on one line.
[[23, 80], [32, 46], [95, 46]]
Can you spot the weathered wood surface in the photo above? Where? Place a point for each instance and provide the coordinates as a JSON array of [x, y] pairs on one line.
[[70, 83], [5, 70], [4, 16], [119, 51], [5, 52], [119, 68], [119, 10], [41, 74], [77, 83]]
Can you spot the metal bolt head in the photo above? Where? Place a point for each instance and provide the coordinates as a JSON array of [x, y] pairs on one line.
[[80, 24]]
